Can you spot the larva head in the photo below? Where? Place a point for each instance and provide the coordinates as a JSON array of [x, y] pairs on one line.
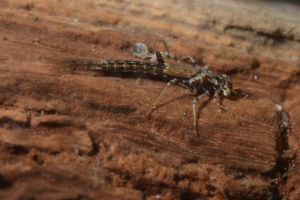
[[225, 85]]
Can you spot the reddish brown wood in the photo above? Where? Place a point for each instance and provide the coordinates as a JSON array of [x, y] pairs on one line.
[[77, 136]]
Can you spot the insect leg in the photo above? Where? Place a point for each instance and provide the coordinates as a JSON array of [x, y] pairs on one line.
[[154, 105], [174, 81], [195, 113], [218, 99], [219, 102]]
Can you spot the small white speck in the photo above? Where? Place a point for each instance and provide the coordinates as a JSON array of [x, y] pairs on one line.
[[278, 107], [93, 48], [36, 40]]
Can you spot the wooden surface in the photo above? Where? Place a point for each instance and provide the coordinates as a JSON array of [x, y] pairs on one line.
[[87, 136]]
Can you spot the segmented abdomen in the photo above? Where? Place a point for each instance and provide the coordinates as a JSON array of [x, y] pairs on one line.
[[116, 66]]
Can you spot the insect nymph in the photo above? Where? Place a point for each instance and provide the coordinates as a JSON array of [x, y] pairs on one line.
[[198, 80]]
